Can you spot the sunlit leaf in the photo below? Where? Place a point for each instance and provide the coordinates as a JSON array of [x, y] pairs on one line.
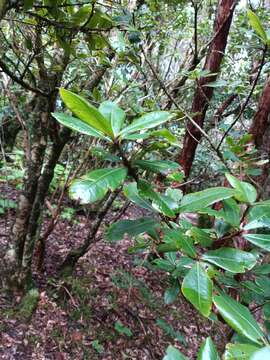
[[147, 121], [230, 259], [202, 199], [114, 114], [208, 351], [94, 185], [86, 112], [239, 318]]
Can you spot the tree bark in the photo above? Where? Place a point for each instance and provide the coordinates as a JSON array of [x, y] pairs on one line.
[[203, 93], [260, 131], [261, 119]]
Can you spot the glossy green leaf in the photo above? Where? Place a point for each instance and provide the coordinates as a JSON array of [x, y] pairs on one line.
[[78, 125], [239, 318], [231, 212], [202, 199], [245, 192], [257, 25], [94, 185], [176, 240], [208, 351], [260, 240], [160, 202], [158, 166], [197, 288], [258, 217], [131, 227], [173, 354], [239, 351], [132, 193], [262, 354], [86, 112], [114, 114], [230, 259], [147, 121]]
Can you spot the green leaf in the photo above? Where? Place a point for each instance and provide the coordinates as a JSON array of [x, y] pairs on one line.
[[200, 236], [165, 133], [257, 25], [94, 185], [258, 217], [82, 15], [176, 240], [131, 227], [114, 114], [231, 212], [173, 354], [208, 351], [230, 259], [147, 121], [171, 294], [78, 125], [159, 202], [262, 354], [158, 166], [119, 327], [260, 240], [100, 20], [239, 318], [245, 192], [132, 193], [202, 199], [263, 269], [239, 351], [27, 4], [197, 288], [86, 112]]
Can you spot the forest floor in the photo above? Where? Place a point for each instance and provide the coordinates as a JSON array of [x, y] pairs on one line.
[[112, 308]]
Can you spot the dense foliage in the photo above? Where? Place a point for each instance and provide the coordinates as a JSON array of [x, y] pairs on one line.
[[163, 105]]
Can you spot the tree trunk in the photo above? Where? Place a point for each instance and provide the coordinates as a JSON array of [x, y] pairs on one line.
[[38, 123], [261, 119], [260, 130], [203, 94]]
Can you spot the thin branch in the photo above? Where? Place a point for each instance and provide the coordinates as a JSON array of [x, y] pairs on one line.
[[247, 99], [19, 81], [217, 151]]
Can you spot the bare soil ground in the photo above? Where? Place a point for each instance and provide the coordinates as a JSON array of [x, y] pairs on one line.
[[76, 318]]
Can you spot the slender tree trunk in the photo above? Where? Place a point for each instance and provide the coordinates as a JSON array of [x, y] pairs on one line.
[[38, 124], [203, 93], [260, 130], [261, 119]]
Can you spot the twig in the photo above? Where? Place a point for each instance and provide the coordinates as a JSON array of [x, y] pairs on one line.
[[247, 99]]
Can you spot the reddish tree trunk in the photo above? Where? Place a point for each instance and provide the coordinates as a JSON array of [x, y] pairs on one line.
[[203, 94], [260, 131], [260, 120]]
